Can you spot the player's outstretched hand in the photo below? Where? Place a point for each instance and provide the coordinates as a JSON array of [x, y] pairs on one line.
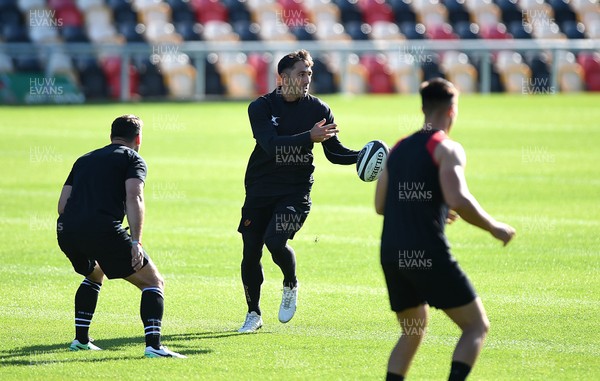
[[503, 232], [321, 131], [451, 217], [137, 256]]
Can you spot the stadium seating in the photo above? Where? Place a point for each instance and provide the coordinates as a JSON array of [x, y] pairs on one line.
[[160, 23]]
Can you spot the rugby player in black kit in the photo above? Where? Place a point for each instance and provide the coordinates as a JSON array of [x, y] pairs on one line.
[[101, 188], [419, 191], [285, 123]]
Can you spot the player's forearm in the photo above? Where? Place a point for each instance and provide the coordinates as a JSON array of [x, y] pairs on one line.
[[469, 210], [337, 153], [135, 216], [277, 144]]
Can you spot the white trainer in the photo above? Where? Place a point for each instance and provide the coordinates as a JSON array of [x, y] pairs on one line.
[[162, 352], [77, 346], [252, 324], [289, 300]]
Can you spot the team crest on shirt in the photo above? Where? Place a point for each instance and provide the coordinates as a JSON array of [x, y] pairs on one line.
[[274, 120], [247, 223]]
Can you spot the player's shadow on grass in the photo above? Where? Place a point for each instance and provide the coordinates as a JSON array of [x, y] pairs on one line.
[[59, 353]]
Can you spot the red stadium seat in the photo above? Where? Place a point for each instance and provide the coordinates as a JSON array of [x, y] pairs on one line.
[[111, 66], [60, 4], [379, 76], [375, 10], [69, 16], [590, 64], [262, 67], [441, 32], [209, 10], [495, 32]]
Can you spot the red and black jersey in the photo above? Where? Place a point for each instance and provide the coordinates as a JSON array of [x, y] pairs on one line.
[[415, 210]]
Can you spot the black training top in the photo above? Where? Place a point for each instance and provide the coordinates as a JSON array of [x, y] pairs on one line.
[[282, 160], [415, 210], [97, 201]]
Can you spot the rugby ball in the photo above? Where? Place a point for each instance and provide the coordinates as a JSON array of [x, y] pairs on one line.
[[371, 160]]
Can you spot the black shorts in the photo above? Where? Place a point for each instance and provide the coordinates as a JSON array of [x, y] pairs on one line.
[[112, 251], [436, 279], [267, 216]]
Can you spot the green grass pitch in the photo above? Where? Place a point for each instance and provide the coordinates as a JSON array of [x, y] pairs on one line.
[[532, 162]]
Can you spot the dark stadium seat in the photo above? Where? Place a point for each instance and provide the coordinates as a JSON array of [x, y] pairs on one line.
[[430, 67], [237, 10], [510, 11], [248, 31], [11, 15], [403, 12], [323, 80], [456, 11], [519, 31], [214, 84], [92, 80], [152, 83], [303, 33], [130, 32], [183, 15], [71, 33], [27, 64], [358, 30], [573, 29], [15, 33], [189, 30], [413, 31], [125, 16], [176, 5], [540, 72], [348, 11], [466, 30], [562, 11]]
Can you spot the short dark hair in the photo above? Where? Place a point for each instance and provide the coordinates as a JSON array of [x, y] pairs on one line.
[[126, 126], [290, 59], [437, 93]]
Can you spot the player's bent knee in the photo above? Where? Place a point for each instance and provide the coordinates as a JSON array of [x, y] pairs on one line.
[[275, 243]]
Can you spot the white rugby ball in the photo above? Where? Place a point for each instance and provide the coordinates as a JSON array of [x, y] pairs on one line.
[[371, 160]]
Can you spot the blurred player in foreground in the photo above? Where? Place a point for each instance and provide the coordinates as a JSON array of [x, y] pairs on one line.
[[421, 187], [286, 124], [102, 187]]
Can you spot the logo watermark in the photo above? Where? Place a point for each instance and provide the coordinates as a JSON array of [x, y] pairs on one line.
[[42, 222], [44, 86], [168, 54], [166, 122], [288, 222], [408, 124], [44, 154], [536, 155], [292, 18], [414, 54], [413, 260], [44, 18], [413, 191], [531, 86], [167, 191], [292, 155], [413, 326], [538, 18], [535, 224]]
